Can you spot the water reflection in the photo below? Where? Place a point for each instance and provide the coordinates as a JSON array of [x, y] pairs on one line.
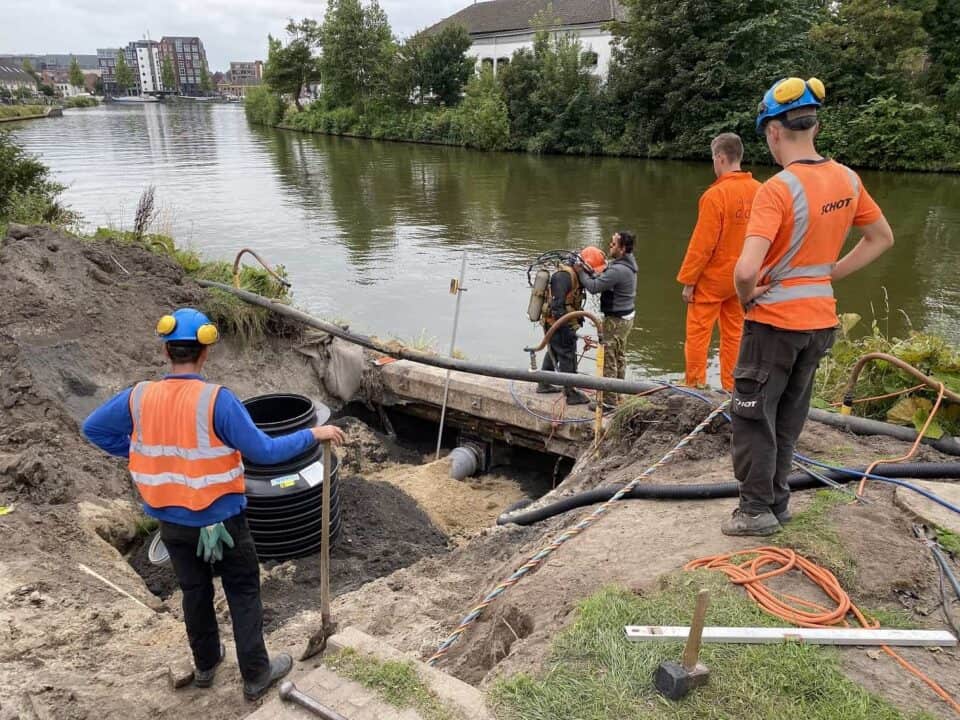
[[373, 231]]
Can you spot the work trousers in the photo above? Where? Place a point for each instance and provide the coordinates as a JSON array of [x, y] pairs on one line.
[[701, 318], [561, 353], [240, 574], [773, 383], [616, 330]]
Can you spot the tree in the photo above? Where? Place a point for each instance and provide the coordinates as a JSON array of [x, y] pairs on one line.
[[942, 23], [446, 67], [76, 74], [98, 86], [122, 74], [289, 68], [358, 51], [167, 77], [872, 48], [205, 85], [28, 68], [683, 72]]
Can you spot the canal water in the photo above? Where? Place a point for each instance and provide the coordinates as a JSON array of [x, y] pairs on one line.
[[372, 232]]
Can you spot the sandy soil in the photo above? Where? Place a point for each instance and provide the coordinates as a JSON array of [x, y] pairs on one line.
[[77, 328]]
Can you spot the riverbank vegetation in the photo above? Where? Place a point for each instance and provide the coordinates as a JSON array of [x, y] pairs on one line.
[[80, 101], [680, 74], [897, 396], [9, 112]]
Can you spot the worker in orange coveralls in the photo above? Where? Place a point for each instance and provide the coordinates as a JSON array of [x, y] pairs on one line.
[[707, 270]]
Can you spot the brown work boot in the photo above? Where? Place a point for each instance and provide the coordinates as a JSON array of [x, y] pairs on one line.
[[740, 523], [783, 516], [575, 397]]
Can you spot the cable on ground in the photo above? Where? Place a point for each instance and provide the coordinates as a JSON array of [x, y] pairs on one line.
[[769, 562]]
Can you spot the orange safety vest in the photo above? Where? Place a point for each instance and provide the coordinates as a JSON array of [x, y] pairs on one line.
[[176, 458], [806, 212]]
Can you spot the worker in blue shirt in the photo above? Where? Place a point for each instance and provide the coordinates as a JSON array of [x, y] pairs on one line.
[[184, 438]]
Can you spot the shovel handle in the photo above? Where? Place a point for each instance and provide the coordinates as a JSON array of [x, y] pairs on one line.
[[691, 652], [325, 535]]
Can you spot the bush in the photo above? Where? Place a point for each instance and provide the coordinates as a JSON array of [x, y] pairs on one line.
[[17, 111], [80, 101], [481, 121], [930, 354], [263, 106], [888, 134], [27, 195]]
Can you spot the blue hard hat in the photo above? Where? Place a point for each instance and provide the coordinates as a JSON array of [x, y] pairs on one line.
[[789, 94], [187, 325]]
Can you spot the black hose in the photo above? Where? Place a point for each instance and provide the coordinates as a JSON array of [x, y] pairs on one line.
[[710, 491], [865, 426]]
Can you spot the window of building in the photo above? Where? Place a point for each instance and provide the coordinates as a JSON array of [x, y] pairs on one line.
[[502, 62], [588, 58], [486, 64]]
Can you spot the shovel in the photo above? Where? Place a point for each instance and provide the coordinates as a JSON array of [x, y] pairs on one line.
[[318, 641]]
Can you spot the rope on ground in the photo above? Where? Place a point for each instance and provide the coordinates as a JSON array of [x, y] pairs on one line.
[[916, 444], [751, 572], [536, 560]]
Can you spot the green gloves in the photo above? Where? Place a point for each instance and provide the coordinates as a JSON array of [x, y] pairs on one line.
[[212, 540]]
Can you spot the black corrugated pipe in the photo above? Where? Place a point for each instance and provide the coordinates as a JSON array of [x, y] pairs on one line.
[[709, 491], [865, 426]]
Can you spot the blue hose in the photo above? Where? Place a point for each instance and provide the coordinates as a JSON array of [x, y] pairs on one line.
[[880, 478]]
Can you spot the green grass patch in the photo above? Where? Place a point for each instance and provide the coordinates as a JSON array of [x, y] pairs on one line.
[[948, 541], [396, 682], [146, 526], [622, 420], [19, 111], [232, 315], [811, 534], [593, 673]]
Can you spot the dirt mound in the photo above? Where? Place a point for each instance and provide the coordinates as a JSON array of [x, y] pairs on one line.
[[458, 507]]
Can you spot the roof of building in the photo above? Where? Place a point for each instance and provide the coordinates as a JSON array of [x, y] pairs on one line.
[[496, 16], [9, 73]]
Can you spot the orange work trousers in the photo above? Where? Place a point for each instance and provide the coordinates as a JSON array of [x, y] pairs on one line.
[[701, 317]]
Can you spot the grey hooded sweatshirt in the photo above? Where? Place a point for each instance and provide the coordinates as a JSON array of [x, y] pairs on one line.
[[617, 286]]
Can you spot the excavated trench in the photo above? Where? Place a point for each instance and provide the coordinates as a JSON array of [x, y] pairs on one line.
[[398, 505]]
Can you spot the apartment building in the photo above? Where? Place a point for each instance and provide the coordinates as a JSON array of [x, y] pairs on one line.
[[189, 61]]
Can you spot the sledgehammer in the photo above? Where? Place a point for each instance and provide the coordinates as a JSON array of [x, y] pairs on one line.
[[675, 680], [289, 693]]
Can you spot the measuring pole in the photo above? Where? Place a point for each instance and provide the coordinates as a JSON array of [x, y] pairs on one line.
[[456, 288]]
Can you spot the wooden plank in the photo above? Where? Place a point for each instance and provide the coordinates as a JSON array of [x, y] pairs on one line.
[[812, 636]]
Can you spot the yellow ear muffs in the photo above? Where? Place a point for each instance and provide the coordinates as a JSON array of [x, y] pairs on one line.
[[789, 90], [817, 88], [207, 334], [166, 325]]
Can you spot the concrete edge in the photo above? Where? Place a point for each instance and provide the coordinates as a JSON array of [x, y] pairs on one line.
[[456, 693]]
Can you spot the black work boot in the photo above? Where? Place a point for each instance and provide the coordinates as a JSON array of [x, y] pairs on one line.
[[279, 667], [575, 397], [544, 389], [204, 678], [783, 516], [741, 523]]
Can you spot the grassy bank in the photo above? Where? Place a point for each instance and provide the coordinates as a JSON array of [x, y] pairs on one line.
[[592, 669], [20, 112], [80, 101], [232, 315]]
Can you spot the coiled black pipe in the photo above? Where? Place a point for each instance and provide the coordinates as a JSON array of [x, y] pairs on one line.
[[710, 491]]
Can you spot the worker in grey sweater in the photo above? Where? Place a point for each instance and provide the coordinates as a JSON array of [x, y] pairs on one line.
[[617, 286]]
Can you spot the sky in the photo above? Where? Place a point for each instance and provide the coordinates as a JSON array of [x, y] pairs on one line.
[[229, 29]]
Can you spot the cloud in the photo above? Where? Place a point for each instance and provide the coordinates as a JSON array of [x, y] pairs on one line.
[[229, 29]]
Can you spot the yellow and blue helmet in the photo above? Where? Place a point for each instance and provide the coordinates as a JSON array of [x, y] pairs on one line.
[[187, 325], [789, 94]]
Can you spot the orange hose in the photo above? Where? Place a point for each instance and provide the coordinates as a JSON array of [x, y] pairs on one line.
[[913, 449], [898, 393], [768, 562]]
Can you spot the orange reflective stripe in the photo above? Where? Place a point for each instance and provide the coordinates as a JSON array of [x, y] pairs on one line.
[[176, 458]]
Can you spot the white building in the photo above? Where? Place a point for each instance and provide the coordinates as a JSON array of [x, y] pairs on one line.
[[65, 89], [499, 28], [148, 67], [14, 79]]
